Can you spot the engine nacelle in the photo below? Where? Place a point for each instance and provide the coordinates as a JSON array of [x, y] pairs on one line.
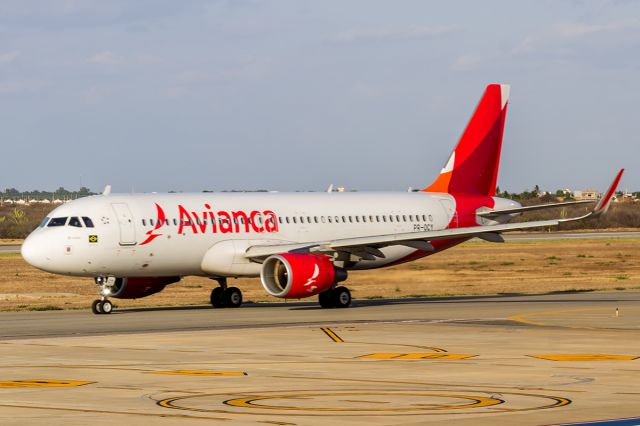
[[138, 287], [296, 276]]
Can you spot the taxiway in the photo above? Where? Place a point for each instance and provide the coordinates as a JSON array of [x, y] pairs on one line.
[[544, 359]]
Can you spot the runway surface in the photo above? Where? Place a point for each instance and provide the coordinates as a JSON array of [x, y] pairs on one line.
[[546, 359]]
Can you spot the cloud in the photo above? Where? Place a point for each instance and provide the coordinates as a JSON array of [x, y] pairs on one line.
[[391, 35], [467, 62], [565, 32], [7, 58], [106, 58], [21, 87]]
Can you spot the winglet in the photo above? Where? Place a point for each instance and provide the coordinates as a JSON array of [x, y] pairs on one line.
[[605, 201]]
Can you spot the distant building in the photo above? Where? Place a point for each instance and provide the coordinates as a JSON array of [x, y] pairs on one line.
[[587, 194]]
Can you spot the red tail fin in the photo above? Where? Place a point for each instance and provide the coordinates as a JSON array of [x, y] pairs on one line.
[[473, 165]]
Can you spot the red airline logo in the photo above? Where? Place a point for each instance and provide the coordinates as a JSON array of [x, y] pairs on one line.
[[209, 221]]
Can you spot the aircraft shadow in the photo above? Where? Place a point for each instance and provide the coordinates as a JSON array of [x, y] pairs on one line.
[[362, 303]]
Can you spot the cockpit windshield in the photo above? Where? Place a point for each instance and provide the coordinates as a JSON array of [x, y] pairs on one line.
[[75, 221], [58, 221]]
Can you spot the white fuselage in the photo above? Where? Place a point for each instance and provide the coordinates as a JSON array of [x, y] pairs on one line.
[[206, 234]]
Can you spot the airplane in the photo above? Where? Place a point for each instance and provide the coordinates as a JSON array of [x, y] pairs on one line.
[[299, 244]]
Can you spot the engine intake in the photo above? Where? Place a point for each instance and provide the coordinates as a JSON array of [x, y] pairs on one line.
[[138, 287], [296, 276]]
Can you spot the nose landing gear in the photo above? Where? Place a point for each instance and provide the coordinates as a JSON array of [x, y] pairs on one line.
[[225, 297], [103, 305]]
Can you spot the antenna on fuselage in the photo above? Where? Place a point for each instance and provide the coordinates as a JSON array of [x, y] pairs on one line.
[[107, 190]]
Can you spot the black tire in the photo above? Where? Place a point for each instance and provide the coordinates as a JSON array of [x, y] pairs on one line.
[[96, 308], [341, 297], [217, 297], [326, 299], [106, 307], [232, 297]]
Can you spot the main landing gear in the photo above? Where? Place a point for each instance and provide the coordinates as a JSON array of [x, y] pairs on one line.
[[339, 297], [225, 297], [103, 305]]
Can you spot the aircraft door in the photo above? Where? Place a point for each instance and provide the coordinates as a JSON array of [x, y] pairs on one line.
[[125, 222], [450, 210]]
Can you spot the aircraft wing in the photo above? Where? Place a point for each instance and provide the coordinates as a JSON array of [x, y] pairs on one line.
[[493, 213], [368, 247]]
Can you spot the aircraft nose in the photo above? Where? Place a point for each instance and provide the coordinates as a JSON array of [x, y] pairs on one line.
[[33, 251]]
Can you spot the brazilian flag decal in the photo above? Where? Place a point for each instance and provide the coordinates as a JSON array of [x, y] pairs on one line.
[[93, 238]]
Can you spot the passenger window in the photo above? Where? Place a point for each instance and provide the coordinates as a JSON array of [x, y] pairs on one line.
[[57, 221], [397, 218], [87, 222], [322, 219], [350, 219], [308, 219], [358, 219], [151, 222], [301, 219], [404, 218], [315, 219], [287, 218], [294, 220], [430, 218], [175, 222], [370, 218], [279, 220], [377, 218], [390, 218], [364, 218], [44, 222], [75, 221], [344, 219], [144, 222], [384, 218], [410, 218], [166, 221], [337, 219], [329, 219]]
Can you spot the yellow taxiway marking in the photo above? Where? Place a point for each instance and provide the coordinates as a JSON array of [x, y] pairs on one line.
[[533, 318], [332, 335], [584, 357], [262, 401], [417, 356], [40, 383], [200, 373]]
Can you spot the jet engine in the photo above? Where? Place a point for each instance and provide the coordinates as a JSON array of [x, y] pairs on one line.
[[296, 276], [138, 287]]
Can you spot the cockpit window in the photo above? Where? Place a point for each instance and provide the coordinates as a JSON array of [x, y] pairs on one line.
[[74, 221], [44, 222], [87, 222], [57, 221]]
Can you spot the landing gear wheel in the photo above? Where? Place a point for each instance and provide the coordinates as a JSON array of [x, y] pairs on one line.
[[96, 307], [341, 297], [233, 297], [326, 299], [106, 307], [217, 297]]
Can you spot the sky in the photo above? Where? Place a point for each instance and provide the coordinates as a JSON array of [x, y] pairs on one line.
[[160, 95]]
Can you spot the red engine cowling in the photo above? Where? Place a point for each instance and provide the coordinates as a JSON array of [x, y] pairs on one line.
[[138, 287], [295, 276]]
